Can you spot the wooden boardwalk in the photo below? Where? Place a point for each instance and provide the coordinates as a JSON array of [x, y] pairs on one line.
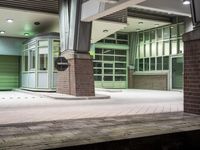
[[64, 133]]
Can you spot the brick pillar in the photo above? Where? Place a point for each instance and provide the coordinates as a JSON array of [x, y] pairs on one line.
[[78, 79], [192, 72]]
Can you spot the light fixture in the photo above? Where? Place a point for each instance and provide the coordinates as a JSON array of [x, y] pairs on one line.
[[2, 32], [26, 34], [156, 25], [140, 22], [10, 21], [186, 2], [137, 30], [105, 31]]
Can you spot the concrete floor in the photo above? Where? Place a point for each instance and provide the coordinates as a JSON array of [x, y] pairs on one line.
[[19, 107]]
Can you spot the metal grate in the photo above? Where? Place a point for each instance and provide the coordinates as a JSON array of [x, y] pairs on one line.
[[50, 6]]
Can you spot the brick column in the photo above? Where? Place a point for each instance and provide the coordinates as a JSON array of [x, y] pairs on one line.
[[192, 72], [78, 79]]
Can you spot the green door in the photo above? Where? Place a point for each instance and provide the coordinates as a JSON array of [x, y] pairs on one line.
[[9, 72], [177, 73]]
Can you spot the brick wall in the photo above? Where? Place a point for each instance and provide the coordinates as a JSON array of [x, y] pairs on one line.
[[192, 72], [78, 79]]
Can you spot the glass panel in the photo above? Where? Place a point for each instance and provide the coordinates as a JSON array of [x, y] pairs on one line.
[[141, 51], [98, 51], [174, 47], [97, 71], [108, 65], [141, 38], [153, 36], [43, 43], [32, 59], [108, 71], [108, 51], [173, 31], [181, 30], [120, 78], [43, 58], [98, 57], [166, 33], [101, 41], [147, 50], [181, 48], [120, 71], [120, 65], [136, 65], [112, 36], [166, 48], [26, 61], [141, 64], [108, 58], [122, 36], [56, 51], [108, 78], [153, 63], [120, 52], [160, 48], [166, 63], [159, 34], [110, 41], [97, 78], [153, 49], [122, 42], [147, 37], [177, 73], [118, 58], [159, 63], [146, 64], [97, 64]]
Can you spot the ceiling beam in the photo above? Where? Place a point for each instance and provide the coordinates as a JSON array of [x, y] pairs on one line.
[[95, 9]]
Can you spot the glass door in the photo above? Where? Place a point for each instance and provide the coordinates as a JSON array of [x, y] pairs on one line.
[[177, 72], [108, 74]]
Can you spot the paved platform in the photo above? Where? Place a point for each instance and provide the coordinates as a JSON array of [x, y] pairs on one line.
[[65, 133], [19, 107]]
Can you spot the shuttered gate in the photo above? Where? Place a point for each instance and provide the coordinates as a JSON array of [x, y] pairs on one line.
[[9, 72]]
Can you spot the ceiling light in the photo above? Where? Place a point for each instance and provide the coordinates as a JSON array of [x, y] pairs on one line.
[[156, 25], [105, 31], [26, 34], [140, 22], [10, 20], [2, 32], [137, 29], [186, 2]]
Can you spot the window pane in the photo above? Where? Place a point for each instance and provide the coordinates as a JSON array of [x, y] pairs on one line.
[[120, 52], [97, 64], [181, 48], [153, 63], [153, 35], [108, 78], [120, 65], [122, 42], [146, 64], [147, 37], [108, 65], [174, 47], [166, 63], [56, 51], [166, 33], [110, 41], [118, 58], [160, 48], [181, 29], [147, 50], [173, 31], [26, 61], [120, 71], [122, 36], [159, 34], [43, 43], [32, 59], [108, 71], [97, 71], [159, 63], [166, 48], [98, 51], [98, 57], [97, 78], [153, 49], [120, 78], [141, 38], [108, 58], [136, 65], [108, 51], [141, 65], [111, 36], [43, 58], [141, 51]]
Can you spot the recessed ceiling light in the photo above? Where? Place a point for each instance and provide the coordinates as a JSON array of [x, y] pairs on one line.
[[10, 20], [26, 34], [2, 32], [137, 29], [156, 25], [37, 23], [140, 22], [186, 2], [105, 31]]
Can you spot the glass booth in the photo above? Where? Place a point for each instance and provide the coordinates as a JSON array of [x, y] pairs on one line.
[[38, 57]]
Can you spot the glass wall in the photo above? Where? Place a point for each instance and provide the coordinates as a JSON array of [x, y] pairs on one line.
[[155, 47]]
